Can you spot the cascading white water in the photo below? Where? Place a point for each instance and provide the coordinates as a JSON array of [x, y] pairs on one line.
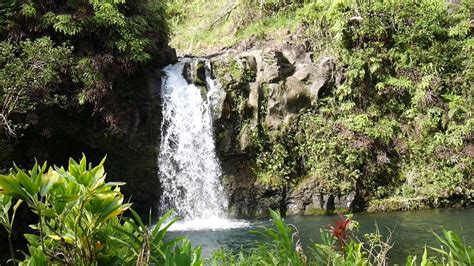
[[189, 168]]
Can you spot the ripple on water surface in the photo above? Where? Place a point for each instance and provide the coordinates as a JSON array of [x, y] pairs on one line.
[[411, 230], [209, 224]]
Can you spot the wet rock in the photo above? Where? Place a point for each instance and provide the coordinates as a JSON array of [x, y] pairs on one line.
[[194, 72], [225, 140], [308, 199], [247, 198]]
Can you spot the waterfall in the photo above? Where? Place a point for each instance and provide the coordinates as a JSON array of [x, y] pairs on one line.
[[189, 169]]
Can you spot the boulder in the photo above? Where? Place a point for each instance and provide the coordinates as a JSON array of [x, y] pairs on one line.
[[298, 97], [276, 67], [194, 72], [307, 198], [294, 54], [322, 77], [286, 100]]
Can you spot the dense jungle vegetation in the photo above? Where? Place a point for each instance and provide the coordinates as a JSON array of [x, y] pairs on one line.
[[81, 222], [71, 73], [73, 57], [401, 123], [399, 127]]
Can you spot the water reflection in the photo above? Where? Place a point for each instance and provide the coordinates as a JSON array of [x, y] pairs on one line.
[[411, 230]]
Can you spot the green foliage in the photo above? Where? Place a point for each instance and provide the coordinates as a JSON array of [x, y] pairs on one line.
[[7, 219], [128, 30], [73, 52], [205, 27], [133, 242], [398, 127], [399, 203], [400, 124], [280, 247], [283, 247], [183, 255], [81, 222], [28, 72], [255, 10], [239, 73], [453, 251], [74, 207], [281, 241], [276, 160]]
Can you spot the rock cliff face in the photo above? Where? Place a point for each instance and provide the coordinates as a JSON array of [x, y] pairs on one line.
[[268, 88], [286, 81]]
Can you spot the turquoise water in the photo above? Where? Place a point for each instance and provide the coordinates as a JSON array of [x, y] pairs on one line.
[[411, 230]]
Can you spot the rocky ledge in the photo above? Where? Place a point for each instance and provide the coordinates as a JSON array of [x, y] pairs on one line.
[[268, 88]]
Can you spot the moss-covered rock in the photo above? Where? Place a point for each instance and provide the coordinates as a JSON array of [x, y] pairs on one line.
[[266, 90]]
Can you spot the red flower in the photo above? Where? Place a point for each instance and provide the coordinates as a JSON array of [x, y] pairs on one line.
[[341, 230]]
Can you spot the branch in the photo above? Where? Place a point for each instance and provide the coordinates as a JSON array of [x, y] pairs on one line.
[[6, 125], [224, 15]]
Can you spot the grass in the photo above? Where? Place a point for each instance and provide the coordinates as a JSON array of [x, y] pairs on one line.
[[398, 204], [276, 27], [191, 21], [192, 33]]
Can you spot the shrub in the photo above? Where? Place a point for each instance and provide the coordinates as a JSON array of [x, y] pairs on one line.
[[80, 220], [408, 77], [339, 246], [73, 53], [399, 124]]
